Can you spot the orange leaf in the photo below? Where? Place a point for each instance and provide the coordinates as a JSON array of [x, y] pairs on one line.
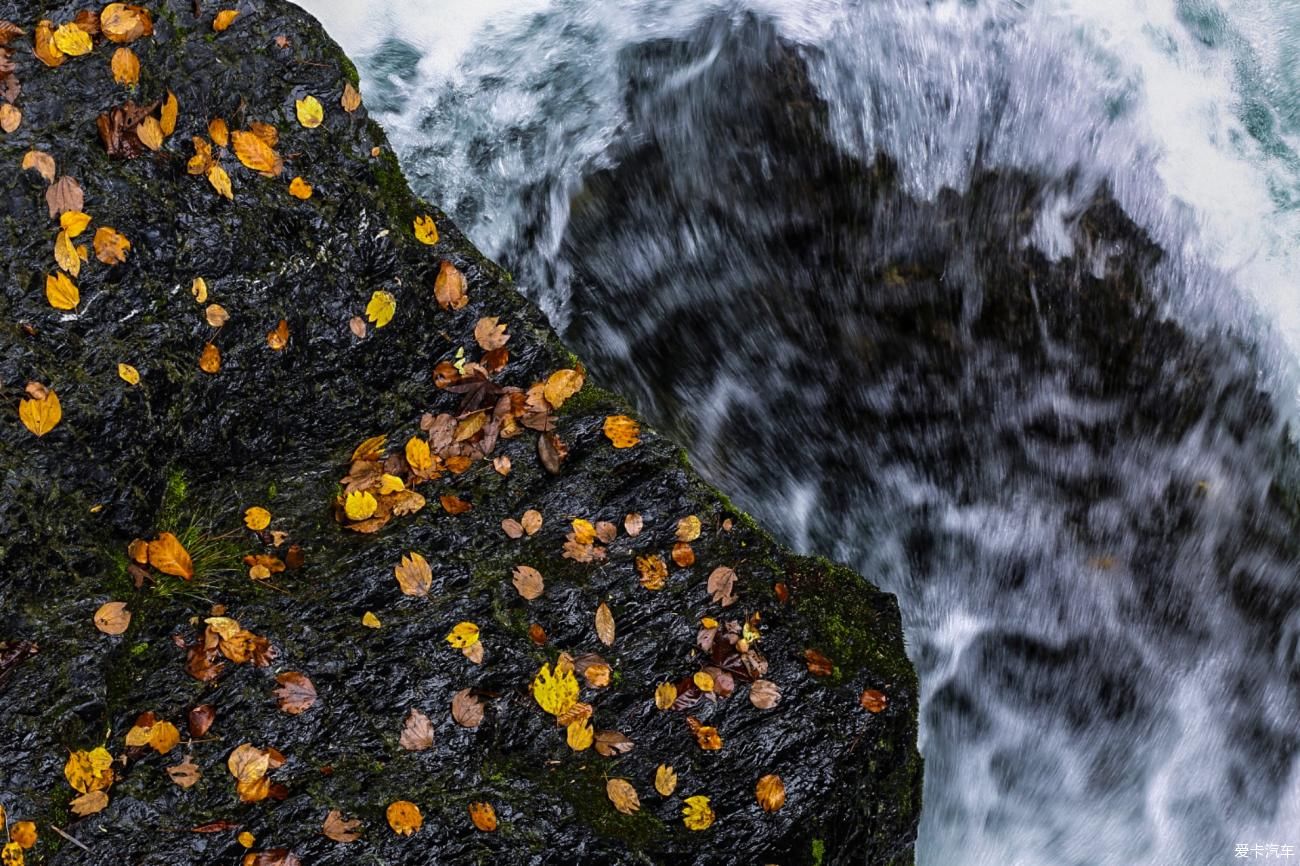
[[168, 555]]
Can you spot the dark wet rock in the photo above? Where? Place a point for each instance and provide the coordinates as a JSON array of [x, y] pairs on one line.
[[187, 452]]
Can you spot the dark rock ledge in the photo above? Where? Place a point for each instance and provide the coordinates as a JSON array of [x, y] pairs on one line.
[[187, 452]]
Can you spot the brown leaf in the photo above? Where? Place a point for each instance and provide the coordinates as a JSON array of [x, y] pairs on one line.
[[417, 732], [605, 624], [653, 571], [279, 338], [537, 634], [764, 694], [512, 528], [623, 796], [414, 575], [9, 32], [611, 743], [606, 531], [683, 555], [449, 287], [113, 617], [210, 359], [721, 583], [64, 195], [665, 780], [528, 581], [200, 719], [341, 829], [89, 803], [818, 664], [296, 693], [770, 793], [351, 100], [466, 709], [633, 524], [357, 326], [271, 857], [490, 334], [532, 521], [873, 701], [454, 504], [185, 774], [552, 451]]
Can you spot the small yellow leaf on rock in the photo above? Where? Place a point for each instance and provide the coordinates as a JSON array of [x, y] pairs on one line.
[[483, 816], [381, 308], [561, 385], [10, 117], [113, 617], [623, 796], [171, 109], [247, 839], [623, 431], [351, 99], [404, 817], [665, 780], [257, 518], [414, 575], [72, 40], [45, 47], [555, 692], [390, 484], [425, 231], [89, 771], [61, 292], [22, 832], [168, 555], [696, 814], [278, 338], [462, 635], [126, 67], [255, 153], [216, 315], [220, 181], [199, 289], [12, 855], [770, 793], [219, 132], [688, 528], [40, 415], [703, 681], [130, 375], [359, 505], [74, 222], [150, 133], [369, 620], [210, 359], [111, 246], [299, 188], [418, 456], [579, 735], [65, 254], [122, 22], [310, 112], [224, 19], [665, 695]]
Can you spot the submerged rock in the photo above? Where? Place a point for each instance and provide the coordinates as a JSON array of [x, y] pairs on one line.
[[188, 451]]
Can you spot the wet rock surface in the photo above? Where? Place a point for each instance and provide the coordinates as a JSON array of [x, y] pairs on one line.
[[187, 451]]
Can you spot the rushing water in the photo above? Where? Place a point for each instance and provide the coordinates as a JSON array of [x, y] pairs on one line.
[[1098, 590]]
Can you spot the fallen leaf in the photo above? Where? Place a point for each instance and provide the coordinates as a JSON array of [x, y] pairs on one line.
[[454, 504], [357, 326], [210, 359], [65, 254], [310, 112], [764, 694], [253, 151], [296, 693], [224, 19], [61, 292], [483, 816], [665, 780], [88, 771], [665, 695], [359, 505], [818, 664], [703, 681], [42, 163], [72, 40], [111, 246], [706, 736], [683, 555], [44, 46], [341, 829], [404, 817], [123, 22], [417, 732], [199, 289], [770, 793], [381, 308], [150, 133], [623, 796], [605, 624], [579, 735], [199, 719], [555, 692], [425, 231], [531, 521], [449, 288], [168, 555], [113, 617], [512, 528], [22, 832], [490, 334], [466, 709], [219, 132], [873, 701], [369, 620], [528, 581], [722, 581], [612, 743], [185, 774], [597, 675], [414, 576], [299, 188], [247, 839], [696, 814], [89, 803], [351, 99], [220, 181], [40, 415], [561, 385], [64, 195], [278, 338], [688, 528], [622, 431], [126, 67], [653, 571], [10, 117], [168, 114]]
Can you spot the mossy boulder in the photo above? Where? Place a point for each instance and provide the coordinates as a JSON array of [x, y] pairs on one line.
[[188, 451]]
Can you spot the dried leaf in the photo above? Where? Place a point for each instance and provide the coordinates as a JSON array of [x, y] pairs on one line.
[[168, 555], [623, 796], [199, 720], [612, 743], [483, 816], [873, 701], [341, 829], [61, 292], [490, 334], [126, 67], [296, 693], [199, 289], [579, 735], [43, 45], [210, 359], [404, 817], [528, 581], [764, 694], [818, 664], [555, 692], [278, 338], [88, 771], [300, 189], [770, 793], [722, 582], [425, 230], [359, 505], [74, 223], [220, 181], [450, 287], [113, 617], [185, 774], [454, 504], [622, 431], [369, 620], [414, 575], [665, 695], [89, 803], [561, 385], [40, 415], [128, 374], [417, 732], [466, 709], [605, 624], [653, 571], [10, 117], [683, 555], [512, 528], [219, 131], [531, 521], [64, 195], [150, 133], [42, 162], [169, 114], [665, 780], [253, 151], [224, 19], [123, 22], [111, 246], [72, 40], [351, 99]]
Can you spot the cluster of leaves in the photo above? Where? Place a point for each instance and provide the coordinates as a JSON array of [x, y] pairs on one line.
[[20, 836]]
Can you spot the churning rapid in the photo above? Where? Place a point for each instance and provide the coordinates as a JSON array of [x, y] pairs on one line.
[[996, 301]]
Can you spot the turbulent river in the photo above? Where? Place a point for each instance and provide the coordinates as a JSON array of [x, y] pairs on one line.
[[794, 232]]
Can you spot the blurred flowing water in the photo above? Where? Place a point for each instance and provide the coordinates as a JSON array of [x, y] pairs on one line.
[[1093, 547]]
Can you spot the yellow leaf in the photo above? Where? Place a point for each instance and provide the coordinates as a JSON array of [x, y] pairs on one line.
[[65, 254], [555, 692], [622, 431], [584, 532], [381, 308], [72, 40], [462, 635], [359, 505], [623, 796], [561, 385], [126, 67], [248, 763], [44, 164], [41, 415], [310, 112], [425, 231], [216, 315], [369, 620], [688, 528], [414, 576], [10, 117], [12, 855], [390, 484], [696, 814], [210, 359], [483, 816], [89, 771], [22, 832], [170, 110], [130, 375], [665, 695], [150, 133], [224, 19], [299, 188], [74, 222], [351, 99], [404, 817], [255, 153], [199, 289], [112, 618], [120, 22], [61, 292], [257, 518], [220, 181], [370, 449], [219, 132], [579, 735], [703, 681], [665, 780], [168, 555], [418, 456], [111, 246], [45, 47], [770, 793], [164, 737], [246, 839]]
